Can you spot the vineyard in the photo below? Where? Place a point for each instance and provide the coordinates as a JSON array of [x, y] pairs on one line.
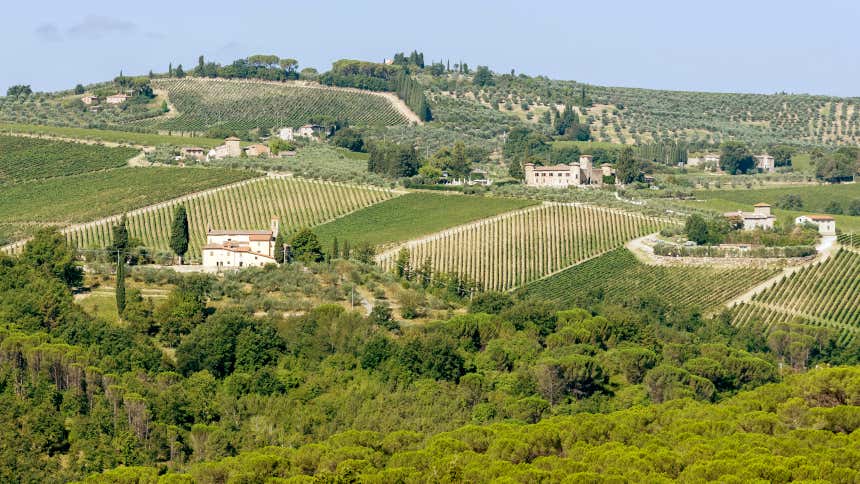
[[23, 158], [207, 103], [251, 205], [109, 136], [79, 198], [618, 277], [513, 249], [825, 294]]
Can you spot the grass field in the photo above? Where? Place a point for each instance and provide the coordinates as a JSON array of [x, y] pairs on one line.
[[24, 158], [824, 295], [516, 248], [79, 198], [298, 202], [413, 215], [205, 103], [815, 199], [617, 277], [110, 136]]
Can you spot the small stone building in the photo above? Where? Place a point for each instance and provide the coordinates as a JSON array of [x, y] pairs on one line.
[[234, 249], [825, 223], [759, 218]]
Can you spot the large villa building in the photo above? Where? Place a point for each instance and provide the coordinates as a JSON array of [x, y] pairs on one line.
[[759, 218], [562, 176], [233, 249]]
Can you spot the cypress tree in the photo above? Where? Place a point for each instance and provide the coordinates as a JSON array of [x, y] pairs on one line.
[[120, 237], [335, 250], [120, 286], [279, 247], [179, 233]]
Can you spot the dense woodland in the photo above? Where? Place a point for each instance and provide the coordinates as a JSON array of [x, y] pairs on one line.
[[190, 379]]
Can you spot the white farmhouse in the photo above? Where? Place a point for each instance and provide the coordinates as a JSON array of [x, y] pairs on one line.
[[234, 249], [759, 218], [117, 98], [562, 176], [825, 223]]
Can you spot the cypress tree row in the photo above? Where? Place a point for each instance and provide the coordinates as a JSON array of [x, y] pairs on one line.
[[412, 93]]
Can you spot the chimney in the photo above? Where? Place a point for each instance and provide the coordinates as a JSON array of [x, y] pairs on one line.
[[275, 227]]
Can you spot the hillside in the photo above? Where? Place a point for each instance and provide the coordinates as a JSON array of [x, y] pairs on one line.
[[632, 115], [233, 104]]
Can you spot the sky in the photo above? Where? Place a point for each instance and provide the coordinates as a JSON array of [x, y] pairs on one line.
[[759, 46]]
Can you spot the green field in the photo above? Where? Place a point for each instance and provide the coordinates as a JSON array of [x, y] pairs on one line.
[[79, 198], [207, 103], [110, 136], [413, 215], [618, 277], [815, 199], [23, 158]]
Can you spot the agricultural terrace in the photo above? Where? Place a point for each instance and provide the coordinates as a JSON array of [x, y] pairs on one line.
[[110, 136], [88, 196], [23, 158], [205, 103], [516, 248], [826, 294], [298, 202], [618, 277], [413, 215]]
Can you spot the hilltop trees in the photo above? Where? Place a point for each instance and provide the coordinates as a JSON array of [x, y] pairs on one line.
[[735, 158], [839, 165], [179, 233], [483, 77], [19, 90]]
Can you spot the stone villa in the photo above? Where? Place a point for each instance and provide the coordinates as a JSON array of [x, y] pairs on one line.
[[561, 176], [759, 218], [233, 249], [231, 148]]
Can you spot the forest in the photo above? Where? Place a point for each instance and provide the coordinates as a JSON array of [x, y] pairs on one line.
[[196, 378]]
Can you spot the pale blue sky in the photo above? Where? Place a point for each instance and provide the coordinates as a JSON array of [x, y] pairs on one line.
[[735, 46]]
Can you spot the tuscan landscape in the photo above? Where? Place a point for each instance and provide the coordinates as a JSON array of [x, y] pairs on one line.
[[409, 269]]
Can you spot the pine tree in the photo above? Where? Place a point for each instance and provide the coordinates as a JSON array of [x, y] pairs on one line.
[[120, 285], [179, 233]]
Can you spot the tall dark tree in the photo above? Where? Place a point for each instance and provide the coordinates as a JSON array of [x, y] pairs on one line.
[[483, 77], [735, 158], [120, 237], [697, 229], [120, 285], [179, 233], [626, 169], [280, 251]]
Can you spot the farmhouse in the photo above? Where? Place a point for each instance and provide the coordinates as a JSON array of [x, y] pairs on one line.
[[712, 158], [90, 99], [117, 98], [561, 176], [825, 223], [193, 153], [257, 149], [230, 149], [233, 249], [760, 217], [765, 163], [285, 134]]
